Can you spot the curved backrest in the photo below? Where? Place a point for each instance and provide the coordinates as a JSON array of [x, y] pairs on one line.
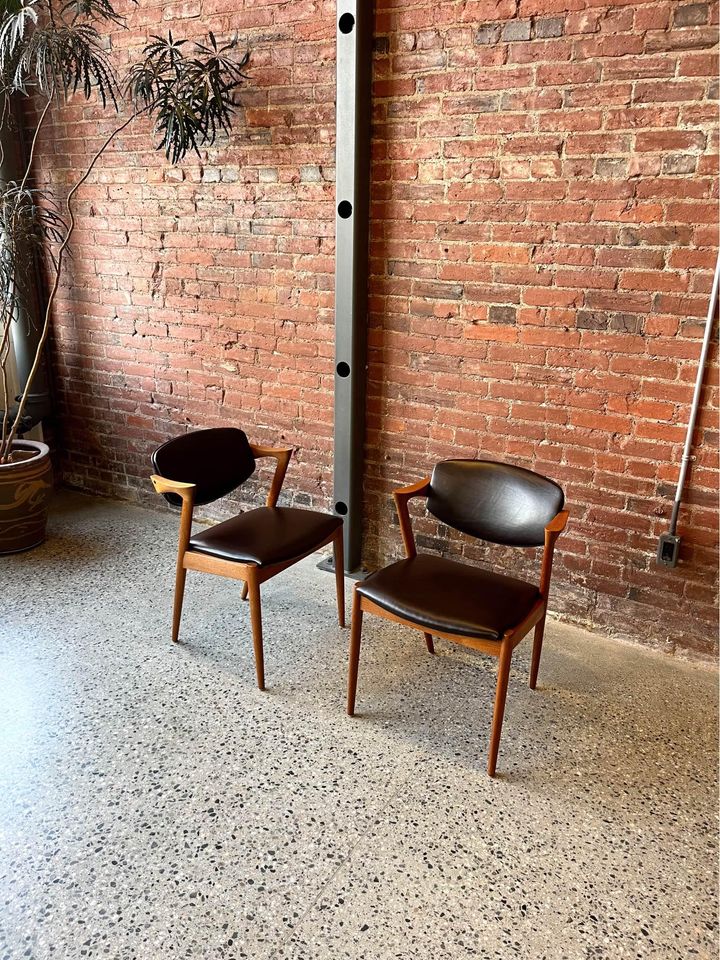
[[216, 460], [494, 501]]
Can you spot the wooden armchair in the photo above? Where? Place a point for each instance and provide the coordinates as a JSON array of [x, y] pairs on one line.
[[482, 609], [200, 467]]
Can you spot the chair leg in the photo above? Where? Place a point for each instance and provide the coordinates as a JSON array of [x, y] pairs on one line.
[[499, 709], [178, 601], [339, 575], [536, 652], [244, 594], [256, 620], [429, 642], [355, 636]]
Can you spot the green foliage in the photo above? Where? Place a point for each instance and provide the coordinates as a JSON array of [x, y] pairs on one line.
[[189, 93], [191, 97], [92, 10], [30, 222], [50, 53], [65, 58]]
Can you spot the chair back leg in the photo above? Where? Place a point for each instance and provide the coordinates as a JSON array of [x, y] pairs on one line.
[[429, 642], [499, 709], [355, 637], [256, 620], [339, 558], [178, 601], [536, 652], [244, 593]]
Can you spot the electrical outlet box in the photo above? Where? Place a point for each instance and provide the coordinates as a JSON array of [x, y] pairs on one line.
[[668, 550]]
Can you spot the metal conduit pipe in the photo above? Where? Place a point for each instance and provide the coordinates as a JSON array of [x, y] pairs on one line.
[[669, 543]]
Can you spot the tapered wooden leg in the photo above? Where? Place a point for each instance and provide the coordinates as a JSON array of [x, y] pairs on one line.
[[256, 620], [339, 575], [243, 595], [536, 652], [355, 635], [499, 709], [429, 642], [178, 601]]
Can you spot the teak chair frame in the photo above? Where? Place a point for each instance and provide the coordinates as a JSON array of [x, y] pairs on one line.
[[502, 649], [250, 574]]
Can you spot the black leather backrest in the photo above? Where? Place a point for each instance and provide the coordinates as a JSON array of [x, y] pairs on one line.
[[494, 501], [216, 460]]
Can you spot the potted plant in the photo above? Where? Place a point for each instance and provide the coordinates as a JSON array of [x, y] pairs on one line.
[[51, 51]]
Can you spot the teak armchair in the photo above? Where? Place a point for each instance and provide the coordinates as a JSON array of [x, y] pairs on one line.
[[200, 467], [487, 611]]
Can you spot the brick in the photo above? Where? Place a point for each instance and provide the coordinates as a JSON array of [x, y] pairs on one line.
[[614, 167], [489, 33], [310, 173], [679, 164], [690, 15], [543, 234], [438, 291], [604, 320], [681, 40], [516, 30], [503, 314], [471, 105], [652, 17]]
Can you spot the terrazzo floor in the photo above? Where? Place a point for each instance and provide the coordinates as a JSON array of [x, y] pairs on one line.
[[154, 804]]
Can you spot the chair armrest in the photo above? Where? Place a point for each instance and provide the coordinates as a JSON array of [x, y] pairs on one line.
[[163, 485], [419, 489], [557, 524], [282, 455], [276, 452], [186, 492], [552, 532], [401, 497]]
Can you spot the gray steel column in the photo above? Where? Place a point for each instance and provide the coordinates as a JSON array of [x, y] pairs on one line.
[[354, 67]]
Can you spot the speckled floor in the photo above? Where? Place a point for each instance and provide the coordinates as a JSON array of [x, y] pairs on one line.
[[155, 804]]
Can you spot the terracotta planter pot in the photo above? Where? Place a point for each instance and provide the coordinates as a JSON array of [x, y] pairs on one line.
[[25, 487]]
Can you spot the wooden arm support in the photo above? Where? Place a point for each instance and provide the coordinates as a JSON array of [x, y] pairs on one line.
[[552, 532], [186, 491], [282, 455], [557, 524], [163, 485], [402, 497]]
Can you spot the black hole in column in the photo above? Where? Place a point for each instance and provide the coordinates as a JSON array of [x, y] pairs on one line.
[[341, 508], [343, 369], [345, 209], [346, 23]]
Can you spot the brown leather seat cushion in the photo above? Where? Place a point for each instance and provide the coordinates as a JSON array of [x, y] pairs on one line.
[[266, 535], [451, 597]]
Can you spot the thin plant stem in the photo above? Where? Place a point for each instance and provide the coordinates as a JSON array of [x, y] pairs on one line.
[[4, 353], [3, 115], [34, 140], [10, 436]]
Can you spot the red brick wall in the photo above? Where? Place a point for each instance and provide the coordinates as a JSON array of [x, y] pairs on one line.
[[544, 228], [202, 295], [544, 233]]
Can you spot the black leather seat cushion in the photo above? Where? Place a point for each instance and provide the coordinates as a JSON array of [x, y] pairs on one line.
[[451, 597], [267, 535]]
